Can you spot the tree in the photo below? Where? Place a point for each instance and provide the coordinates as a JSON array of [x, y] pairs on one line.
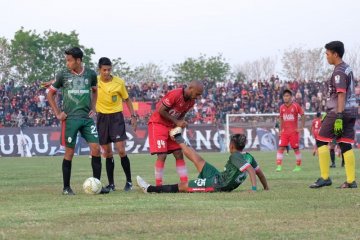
[[26, 55], [314, 66], [35, 57], [213, 68], [309, 64], [122, 69], [54, 45], [352, 58], [240, 76], [259, 69], [5, 61], [294, 63], [148, 72]]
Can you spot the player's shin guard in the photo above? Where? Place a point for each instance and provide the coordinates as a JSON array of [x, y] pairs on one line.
[[298, 157], [349, 158], [159, 172], [96, 166], [279, 156], [324, 161], [66, 169], [110, 165], [182, 170]]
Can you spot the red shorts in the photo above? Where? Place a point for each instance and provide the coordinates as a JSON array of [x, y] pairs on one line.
[[292, 138], [159, 139]]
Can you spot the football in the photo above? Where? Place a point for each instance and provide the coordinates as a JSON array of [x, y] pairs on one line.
[[92, 186]]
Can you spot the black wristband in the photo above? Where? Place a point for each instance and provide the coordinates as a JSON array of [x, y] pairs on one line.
[[339, 115]]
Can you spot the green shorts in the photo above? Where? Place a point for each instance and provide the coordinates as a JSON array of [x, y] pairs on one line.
[[71, 127], [207, 180]]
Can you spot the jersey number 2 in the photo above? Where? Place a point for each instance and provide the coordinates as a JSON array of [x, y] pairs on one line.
[[93, 129]]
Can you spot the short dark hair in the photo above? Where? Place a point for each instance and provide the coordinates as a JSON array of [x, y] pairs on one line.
[[318, 114], [104, 61], [287, 91], [75, 52], [337, 47], [239, 141]]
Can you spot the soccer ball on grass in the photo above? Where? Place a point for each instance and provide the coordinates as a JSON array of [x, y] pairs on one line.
[[92, 186]]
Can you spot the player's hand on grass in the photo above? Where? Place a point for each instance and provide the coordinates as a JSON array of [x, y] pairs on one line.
[[61, 116], [338, 125], [181, 123]]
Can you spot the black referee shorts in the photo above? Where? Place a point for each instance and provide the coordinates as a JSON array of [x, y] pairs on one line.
[[111, 127]]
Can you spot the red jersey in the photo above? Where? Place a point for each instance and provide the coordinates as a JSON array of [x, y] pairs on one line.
[[178, 107], [315, 125], [290, 115]]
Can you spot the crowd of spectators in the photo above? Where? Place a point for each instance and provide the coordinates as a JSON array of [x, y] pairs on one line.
[[29, 102]]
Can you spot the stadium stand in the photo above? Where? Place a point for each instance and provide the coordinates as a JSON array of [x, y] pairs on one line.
[[218, 99]]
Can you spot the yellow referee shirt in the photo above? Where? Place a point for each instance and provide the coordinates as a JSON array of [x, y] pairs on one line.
[[111, 95]]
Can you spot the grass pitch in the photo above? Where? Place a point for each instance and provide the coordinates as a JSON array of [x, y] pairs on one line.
[[32, 207]]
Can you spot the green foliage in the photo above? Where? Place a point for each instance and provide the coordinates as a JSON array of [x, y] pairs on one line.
[[26, 56], [121, 69], [55, 43], [213, 68], [38, 57]]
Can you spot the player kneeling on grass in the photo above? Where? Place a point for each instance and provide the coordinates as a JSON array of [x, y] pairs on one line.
[[210, 179]]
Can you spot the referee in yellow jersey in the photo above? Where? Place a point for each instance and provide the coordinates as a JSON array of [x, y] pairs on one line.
[[110, 120]]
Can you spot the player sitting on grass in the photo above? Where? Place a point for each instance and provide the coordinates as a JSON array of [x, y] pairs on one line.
[[210, 179]]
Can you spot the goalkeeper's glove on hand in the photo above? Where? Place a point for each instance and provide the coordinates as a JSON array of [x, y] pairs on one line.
[[338, 125]]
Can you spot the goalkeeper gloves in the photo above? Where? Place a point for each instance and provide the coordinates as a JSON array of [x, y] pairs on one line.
[[338, 125]]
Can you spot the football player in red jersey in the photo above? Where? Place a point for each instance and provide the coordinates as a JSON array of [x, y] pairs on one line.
[[170, 112], [289, 130], [315, 127]]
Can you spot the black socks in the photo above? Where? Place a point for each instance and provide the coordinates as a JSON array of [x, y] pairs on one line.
[[66, 169], [332, 155], [163, 189], [125, 163], [110, 165], [96, 166]]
